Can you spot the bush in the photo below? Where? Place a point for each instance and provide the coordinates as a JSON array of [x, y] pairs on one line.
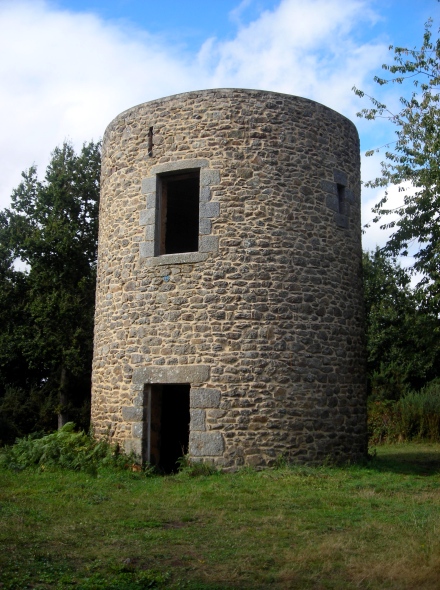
[[416, 416], [66, 449]]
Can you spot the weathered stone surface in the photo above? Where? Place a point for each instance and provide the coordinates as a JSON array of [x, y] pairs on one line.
[[208, 243], [149, 184], [209, 177], [211, 209], [197, 420], [268, 313], [146, 249], [171, 374], [206, 444], [204, 398], [132, 414], [186, 164], [181, 258]]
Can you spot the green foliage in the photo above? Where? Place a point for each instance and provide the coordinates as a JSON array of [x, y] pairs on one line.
[[65, 449], [190, 468], [403, 335], [46, 311], [414, 158], [416, 416]]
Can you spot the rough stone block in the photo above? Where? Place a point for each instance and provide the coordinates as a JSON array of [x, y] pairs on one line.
[[205, 226], [149, 233], [205, 444], [133, 446], [132, 414], [209, 177], [329, 187], [341, 220], [208, 243], [205, 194], [137, 429], [151, 200], [349, 195], [211, 209], [245, 173], [149, 184], [340, 177], [197, 420], [146, 249], [147, 216], [204, 398], [332, 203]]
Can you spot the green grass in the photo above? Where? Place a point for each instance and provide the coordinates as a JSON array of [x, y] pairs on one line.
[[372, 526]]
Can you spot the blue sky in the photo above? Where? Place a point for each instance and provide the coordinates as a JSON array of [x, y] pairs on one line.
[[69, 66]]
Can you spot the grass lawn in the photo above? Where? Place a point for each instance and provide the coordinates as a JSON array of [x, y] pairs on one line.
[[372, 526]]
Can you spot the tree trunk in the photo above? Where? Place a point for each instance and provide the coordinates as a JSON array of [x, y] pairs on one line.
[[62, 415]]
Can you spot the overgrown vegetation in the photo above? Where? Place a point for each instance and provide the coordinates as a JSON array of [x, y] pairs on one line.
[[416, 416], [65, 449], [332, 528]]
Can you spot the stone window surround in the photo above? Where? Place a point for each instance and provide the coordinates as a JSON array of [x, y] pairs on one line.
[[341, 217], [208, 210]]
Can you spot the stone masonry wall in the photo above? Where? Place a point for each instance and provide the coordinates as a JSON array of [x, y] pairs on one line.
[[265, 321]]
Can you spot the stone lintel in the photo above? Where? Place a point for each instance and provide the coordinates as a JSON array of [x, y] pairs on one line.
[[177, 165], [171, 374]]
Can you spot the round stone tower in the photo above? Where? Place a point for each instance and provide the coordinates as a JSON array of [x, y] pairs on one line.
[[229, 313]]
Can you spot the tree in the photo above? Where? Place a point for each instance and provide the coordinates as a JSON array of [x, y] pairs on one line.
[[403, 346], [52, 227], [413, 157]]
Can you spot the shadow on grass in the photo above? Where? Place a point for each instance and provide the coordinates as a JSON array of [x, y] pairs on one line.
[[407, 460]]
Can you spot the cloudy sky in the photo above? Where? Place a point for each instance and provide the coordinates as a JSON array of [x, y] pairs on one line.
[[68, 67]]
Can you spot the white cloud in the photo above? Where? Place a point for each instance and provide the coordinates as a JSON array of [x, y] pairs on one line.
[[300, 48], [66, 75]]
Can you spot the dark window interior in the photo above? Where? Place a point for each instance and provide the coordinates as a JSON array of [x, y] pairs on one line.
[[169, 426], [179, 213], [341, 198]]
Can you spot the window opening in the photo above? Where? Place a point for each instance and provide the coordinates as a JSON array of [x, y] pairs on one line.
[[150, 142], [179, 213], [168, 420], [341, 198]]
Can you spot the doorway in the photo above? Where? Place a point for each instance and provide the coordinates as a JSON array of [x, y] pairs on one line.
[[168, 419]]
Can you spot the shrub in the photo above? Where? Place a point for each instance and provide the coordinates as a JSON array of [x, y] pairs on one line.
[[415, 416], [66, 449], [419, 413]]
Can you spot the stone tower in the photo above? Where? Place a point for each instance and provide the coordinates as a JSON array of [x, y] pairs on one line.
[[229, 314]]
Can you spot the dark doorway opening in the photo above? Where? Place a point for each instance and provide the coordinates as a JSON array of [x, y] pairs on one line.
[[169, 425], [179, 213]]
